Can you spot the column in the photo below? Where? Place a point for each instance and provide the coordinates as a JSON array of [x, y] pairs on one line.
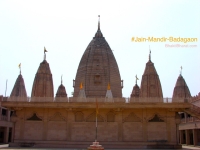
[[168, 126], [187, 137], [144, 124], [0, 112], [181, 136], [185, 117], [45, 124], [194, 136], [6, 134], [13, 133], [8, 115], [22, 124], [120, 125], [70, 120]]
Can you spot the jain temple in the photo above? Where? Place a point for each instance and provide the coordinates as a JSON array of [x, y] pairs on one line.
[[145, 120]]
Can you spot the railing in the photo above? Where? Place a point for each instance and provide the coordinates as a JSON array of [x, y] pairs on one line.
[[141, 100], [183, 120], [189, 119], [4, 118], [104, 100]]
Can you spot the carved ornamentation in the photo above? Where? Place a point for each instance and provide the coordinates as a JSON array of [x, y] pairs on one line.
[[34, 117], [132, 118], [110, 116], [79, 116], [92, 118], [156, 118], [57, 117]]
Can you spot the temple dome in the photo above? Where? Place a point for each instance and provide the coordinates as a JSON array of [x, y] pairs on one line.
[[61, 92], [97, 68], [19, 89], [43, 82], [181, 89], [150, 84], [135, 91]]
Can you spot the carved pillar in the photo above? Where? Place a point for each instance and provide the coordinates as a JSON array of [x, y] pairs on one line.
[[70, 120], [119, 120], [168, 126], [22, 121], [181, 136], [13, 133], [144, 124], [187, 137], [0, 112], [45, 124], [6, 134], [8, 114], [195, 136], [185, 117]]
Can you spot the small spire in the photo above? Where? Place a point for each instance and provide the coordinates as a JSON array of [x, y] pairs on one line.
[[149, 53], [45, 53], [136, 78], [19, 68], [99, 23], [108, 87], [81, 86], [61, 79]]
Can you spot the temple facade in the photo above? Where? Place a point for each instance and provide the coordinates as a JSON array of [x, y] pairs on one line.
[[145, 120]]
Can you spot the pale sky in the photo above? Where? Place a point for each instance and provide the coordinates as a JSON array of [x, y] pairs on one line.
[[66, 28]]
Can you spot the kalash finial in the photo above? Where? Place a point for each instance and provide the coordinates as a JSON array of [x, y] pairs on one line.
[[181, 70], [149, 53], [61, 79], [136, 78], [99, 23], [19, 68], [45, 53]]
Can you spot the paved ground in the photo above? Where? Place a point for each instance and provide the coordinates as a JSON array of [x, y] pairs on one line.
[[5, 146]]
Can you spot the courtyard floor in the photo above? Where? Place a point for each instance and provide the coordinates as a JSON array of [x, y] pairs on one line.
[[5, 146]]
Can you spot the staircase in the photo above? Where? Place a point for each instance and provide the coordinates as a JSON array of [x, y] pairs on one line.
[[193, 111]]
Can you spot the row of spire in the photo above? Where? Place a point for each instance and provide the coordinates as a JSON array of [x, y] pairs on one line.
[[110, 76], [181, 89]]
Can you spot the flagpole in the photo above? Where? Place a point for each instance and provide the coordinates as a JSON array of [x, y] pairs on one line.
[[96, 129], [96, 119]]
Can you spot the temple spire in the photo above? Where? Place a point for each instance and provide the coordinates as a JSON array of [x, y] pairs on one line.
[[61, 79], [19, 68], [81, 86], [109, 96], [99, 23], [149, 53], [108, 87], [45, 53]]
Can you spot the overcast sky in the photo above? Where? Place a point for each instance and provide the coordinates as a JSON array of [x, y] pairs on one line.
[[66, 28]]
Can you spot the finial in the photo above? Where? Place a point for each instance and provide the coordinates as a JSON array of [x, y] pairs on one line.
[[61, 79], [45, 53], [149, 53], [19, 68], [181, 70], [99, 23], [136, 78], [108, 87], [81, 86]]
